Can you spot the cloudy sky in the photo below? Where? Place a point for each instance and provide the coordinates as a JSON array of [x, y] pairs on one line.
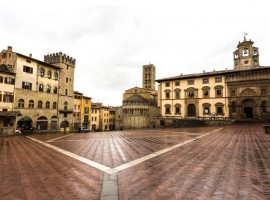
[[112, 39]]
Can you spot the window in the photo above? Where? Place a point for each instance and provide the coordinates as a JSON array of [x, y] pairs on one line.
[[55, 90], [233, 93], [28, 61], [54, 105], [177, 109], [206, 108], [41, 87], [205, 80], [65, 108], [7, 98], [66, 79], [219, 89], [9, 80], [48, 89], [218, 79], [1, 79], [177, 83], [49, 74], [39, 104], [86, 110], [219, 108], [47, 104], [55, 76], [177, 93], [28, 69], [4, 55], [190, 94], [66, 92], [190, 82], [167, 109], [26, 85], [7, 122], [41, 72], [21, 103], [167, 84], [167, 94], [205, 91], [67, 67], [218, 93], [31, 104]]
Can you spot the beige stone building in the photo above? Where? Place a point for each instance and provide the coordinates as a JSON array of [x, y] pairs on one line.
[[43, 90], [139, 106], [238, 93]]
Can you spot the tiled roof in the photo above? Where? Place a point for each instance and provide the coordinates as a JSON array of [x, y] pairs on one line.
[[9, 113]]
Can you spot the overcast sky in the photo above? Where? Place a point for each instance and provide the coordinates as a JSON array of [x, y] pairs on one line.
[[112, 39]]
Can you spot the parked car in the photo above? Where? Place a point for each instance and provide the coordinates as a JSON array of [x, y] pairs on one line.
[[83, 130], [19, 130]]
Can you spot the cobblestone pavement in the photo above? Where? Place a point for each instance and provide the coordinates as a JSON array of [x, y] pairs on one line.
[[230, 162]]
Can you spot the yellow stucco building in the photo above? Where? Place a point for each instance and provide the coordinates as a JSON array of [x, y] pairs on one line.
[[238, 93]]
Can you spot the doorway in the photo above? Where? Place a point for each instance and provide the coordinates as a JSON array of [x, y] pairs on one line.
[[248, 112], [191, 110]]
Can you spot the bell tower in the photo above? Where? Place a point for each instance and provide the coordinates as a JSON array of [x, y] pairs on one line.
[[149, 77], [246, 56]]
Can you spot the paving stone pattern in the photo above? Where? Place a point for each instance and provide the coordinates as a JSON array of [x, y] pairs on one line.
[[231, 163]]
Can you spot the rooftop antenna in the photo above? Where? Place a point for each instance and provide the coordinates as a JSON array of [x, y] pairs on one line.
[[245, 35]]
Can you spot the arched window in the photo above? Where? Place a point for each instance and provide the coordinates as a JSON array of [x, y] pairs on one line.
[[54, 105], [41, 87], [31, 104], [41, 72], [48, 89], [55, 90], [21, 103], [49, 74], [39, 104], [47, 104], [55, 76]]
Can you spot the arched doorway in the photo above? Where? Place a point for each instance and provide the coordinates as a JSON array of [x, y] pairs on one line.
[[191, 110], [64, 125], [42, 123], [25, 122], [248, 108], [54, 123]]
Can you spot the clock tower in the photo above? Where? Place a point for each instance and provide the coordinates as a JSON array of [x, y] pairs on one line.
[[246, 56]]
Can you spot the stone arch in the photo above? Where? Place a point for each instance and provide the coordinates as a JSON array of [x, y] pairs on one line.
[[42, 123]]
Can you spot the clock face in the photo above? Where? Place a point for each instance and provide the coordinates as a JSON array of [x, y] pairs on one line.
[[246, 62]]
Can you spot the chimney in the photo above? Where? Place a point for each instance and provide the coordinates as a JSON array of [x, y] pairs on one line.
[[30, 55], [9, 48]]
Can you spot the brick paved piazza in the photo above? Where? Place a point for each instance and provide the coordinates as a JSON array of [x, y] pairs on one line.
[[230, 162]]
